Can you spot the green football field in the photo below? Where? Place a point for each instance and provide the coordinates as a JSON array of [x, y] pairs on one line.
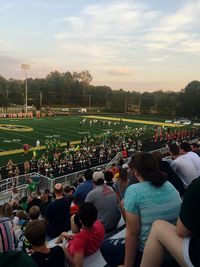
[[16, 132], [64, 128]]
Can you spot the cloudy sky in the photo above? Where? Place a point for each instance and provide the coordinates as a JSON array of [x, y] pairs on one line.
[[130, 44]]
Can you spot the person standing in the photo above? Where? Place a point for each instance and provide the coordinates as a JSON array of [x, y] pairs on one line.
[[84, 188], [103, 197], [38, 144], [58, 213]]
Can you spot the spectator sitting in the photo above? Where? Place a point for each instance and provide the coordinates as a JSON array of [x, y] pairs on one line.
[[185, 149], [15, 196], [35, 233], [33, 201], [182, 165], [84, 188], [109, 178], [153, 197], [172, 177], [182, 240], [34, 213], [103, 197], [6, 231], [195, 148], [22, 218], [88, 240], [80, 180], [121, 184], [45, 201]]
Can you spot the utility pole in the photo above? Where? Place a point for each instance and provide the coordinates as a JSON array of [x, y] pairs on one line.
[[40, 99], [125, 105], [90, 97], [26, 67], [139, 104]]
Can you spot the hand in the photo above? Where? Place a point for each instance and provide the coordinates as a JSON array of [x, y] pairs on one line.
[[63, 236]]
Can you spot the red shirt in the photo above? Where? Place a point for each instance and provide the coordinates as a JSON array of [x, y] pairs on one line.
[[87, 242]]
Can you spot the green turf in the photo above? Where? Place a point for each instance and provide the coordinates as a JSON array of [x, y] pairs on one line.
[[67, 127]]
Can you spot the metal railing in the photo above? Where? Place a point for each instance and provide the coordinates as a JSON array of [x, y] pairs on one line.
[[5, 195], [69, 179], [43, 182]]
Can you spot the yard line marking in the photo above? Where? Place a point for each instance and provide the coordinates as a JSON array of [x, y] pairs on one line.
[[135, 121]]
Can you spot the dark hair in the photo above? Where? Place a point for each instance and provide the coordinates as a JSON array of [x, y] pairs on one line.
[[80, 180], [147, 166], [108, 175], [34, 212], [67, 189], [195, 145], [174, 149], [185, 146], [123, 175], [99, 181], [35, 232], [88, 174], [87, 214], [6, 210], [158, 156]]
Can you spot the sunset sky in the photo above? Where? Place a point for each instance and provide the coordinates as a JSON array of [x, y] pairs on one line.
[[142, 45]]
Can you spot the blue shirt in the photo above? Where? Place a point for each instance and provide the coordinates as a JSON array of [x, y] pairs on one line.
[[151, 203], [82, 190]]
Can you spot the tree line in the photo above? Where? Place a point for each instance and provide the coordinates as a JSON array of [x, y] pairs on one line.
[[74, 90]]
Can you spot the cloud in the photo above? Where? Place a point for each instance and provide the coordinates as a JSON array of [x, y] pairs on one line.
[[75, 21], [4, 45], [114, 33], [9, 65], [119, 72], [158, 59], [178, 32]]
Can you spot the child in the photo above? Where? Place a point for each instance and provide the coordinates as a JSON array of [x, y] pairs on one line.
[[88, 240], [35, 233]]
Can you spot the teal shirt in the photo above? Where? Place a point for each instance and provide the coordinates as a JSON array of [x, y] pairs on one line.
[[152, 203]]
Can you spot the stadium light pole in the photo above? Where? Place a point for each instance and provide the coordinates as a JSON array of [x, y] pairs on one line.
[[26, 67], [90, 96]]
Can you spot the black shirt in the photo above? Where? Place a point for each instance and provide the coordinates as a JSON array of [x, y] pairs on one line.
[[172, 177], [58, 217], [190, 217], [55, 258]]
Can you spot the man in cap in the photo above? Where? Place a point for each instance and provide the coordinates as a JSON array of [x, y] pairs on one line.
[[103, 197]]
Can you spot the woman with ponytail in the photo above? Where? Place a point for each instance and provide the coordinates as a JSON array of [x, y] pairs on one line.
[[152, 198]]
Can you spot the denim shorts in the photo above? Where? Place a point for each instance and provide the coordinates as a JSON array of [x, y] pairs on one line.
[[186, 256]]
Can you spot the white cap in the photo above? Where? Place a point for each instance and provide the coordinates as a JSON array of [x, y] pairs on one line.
[[98, 175], [125, 166]]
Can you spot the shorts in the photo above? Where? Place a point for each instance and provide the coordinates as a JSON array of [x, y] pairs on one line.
[[186, 242]]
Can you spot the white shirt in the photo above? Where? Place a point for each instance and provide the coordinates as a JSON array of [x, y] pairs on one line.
[[195, 159], [37, 143], [185, 168]]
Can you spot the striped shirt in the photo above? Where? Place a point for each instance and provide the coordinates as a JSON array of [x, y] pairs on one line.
[[7, 241], [151, 203]]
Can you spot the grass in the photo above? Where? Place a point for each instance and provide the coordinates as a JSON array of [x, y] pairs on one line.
[[66, 127]]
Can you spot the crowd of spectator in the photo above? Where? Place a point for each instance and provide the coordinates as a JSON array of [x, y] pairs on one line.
[[158, 199]]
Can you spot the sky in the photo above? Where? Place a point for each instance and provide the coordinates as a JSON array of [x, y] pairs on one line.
[[142, 45]]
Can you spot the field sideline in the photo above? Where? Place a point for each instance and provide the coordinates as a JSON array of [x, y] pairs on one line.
[[136, 121]]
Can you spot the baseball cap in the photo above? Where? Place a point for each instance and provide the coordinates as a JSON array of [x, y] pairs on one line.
[[98, 175], [125, 166]]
